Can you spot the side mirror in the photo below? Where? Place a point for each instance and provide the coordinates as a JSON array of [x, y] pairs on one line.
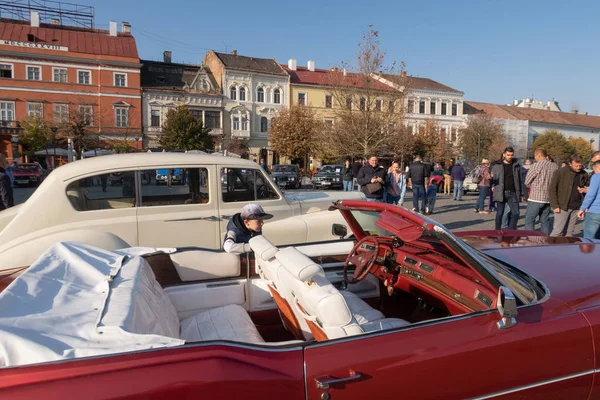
[[507, 308], [339, 230]]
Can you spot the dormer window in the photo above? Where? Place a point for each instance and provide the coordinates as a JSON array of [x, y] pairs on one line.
[[205, 84], [160, 79], [31, 37]]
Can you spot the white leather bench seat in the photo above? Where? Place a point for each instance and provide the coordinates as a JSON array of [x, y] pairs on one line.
[[230, 322]]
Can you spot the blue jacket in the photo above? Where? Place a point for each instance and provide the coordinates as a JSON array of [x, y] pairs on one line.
[[458, 173], [591, 201], [400, 184]]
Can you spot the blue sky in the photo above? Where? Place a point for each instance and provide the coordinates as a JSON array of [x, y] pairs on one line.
[[494, 51]]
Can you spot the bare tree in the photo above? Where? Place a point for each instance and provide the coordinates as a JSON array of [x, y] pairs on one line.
[[296, 132], [369, 113], [477, 137]]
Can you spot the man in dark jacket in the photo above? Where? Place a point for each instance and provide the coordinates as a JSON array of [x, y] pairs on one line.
[[372, 172], [242, 227], [6, 192], [506, 177], [458, 174], [356, 166], [565, 192], [418, 177]]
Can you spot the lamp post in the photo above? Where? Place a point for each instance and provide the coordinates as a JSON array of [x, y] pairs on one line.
[[54, 129]]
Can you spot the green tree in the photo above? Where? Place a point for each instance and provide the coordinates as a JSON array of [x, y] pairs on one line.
[[295, 132], [556, 145], [183, 131], [36, 134], [481, 131], [582, 147]]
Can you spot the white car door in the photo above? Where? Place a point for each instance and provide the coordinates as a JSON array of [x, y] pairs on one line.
[[178, 207], [240, 186]]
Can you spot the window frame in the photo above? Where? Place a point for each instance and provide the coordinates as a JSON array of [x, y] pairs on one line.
[[235, 120], [265, 125], [378, 105], [277, 96], [328, 104], [121, 108], [454, 109], [91, 108], [444, 108], [12, 70], [39, 67], [305, 101], [422, 107], [258, 171], [152, 117], [206, 119], [169, 168], [98, 175], [233, 90], [242, 91], [432, 107], [89, 76], [115, 79], [260, 91], [54, 107], [410, 106], [31, 113], [55, 69], [244, 120], [12, 110]]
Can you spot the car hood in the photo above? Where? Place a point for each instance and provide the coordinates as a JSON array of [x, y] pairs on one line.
[[570, 271], [21, 172], [320, 201]]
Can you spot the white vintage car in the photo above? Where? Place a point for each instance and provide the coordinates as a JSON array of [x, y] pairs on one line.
[[114, 201]]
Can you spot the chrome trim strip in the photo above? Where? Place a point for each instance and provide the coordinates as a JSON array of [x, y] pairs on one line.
[[305, 381], [533, 385]]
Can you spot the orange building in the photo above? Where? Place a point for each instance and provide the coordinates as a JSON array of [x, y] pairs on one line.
[[56, 72]]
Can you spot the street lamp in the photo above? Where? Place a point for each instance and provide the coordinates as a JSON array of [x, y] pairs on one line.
[[54, 129], [478, 147]]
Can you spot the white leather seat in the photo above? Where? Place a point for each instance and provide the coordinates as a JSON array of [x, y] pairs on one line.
[[319, 306], [230, 322]]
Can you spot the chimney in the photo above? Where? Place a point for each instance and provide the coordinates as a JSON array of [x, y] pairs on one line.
[[334, 69], [292, 64], [234, 52], [345, 72], [125, 27], [167, 56], [35, 19], [403, 74], [112, 28], [515, 102], [55, 21], [311, 65], [575, 111], [584, 113]]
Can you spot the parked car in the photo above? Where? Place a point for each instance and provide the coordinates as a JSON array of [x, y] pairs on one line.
[[77, 202], [174, 175], [329, 177], [287, 176], [503, 320], [28, 174], [468, 185]]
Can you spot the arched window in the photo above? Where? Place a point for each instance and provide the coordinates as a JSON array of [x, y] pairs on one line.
[[236, 123], [242, 94], [204, 84], [260, 95], [277, 96], [233, 93], [264, 124], [244, 123]]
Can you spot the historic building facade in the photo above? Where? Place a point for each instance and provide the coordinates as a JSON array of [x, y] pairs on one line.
[[54, 72], [167, 85], [254, 90]]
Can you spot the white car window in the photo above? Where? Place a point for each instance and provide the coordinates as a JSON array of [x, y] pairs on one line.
[[103, 192], [239, 184], [173, 186]]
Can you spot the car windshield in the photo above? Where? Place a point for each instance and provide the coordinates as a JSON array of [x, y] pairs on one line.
[[284, 168], [29, 167], [331, 169]]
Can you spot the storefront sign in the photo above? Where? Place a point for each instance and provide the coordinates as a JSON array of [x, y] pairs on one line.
[[42, 46]]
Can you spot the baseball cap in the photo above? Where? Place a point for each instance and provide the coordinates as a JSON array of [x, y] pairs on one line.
[[254, 211]]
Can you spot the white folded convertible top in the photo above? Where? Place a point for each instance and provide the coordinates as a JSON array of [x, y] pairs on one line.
[[78, 301]]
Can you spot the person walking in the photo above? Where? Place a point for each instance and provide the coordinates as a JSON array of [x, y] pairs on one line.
[[590, 208], [434, 183], [7, 199], [458, 174], [372, 179], [396, 187], [356, 166], [538, 180], [447, 180], [565, 195], [347, 176], [417, 176], [506, 176], [482, 178]]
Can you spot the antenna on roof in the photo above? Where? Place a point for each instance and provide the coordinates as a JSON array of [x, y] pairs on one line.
[[50, 12], [226, 47]]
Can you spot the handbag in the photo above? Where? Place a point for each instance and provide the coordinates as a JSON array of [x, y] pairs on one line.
[[374, 187]]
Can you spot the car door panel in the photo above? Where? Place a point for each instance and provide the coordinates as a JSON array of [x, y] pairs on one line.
[[205, 370], [460, 357]]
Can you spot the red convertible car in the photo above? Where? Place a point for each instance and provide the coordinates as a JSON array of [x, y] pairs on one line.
[[398, 308]]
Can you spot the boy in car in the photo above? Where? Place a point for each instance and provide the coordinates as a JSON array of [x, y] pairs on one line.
[[243, 226]]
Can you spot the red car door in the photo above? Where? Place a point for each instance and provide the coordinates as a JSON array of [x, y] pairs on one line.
[[217, 371], [547, 355]]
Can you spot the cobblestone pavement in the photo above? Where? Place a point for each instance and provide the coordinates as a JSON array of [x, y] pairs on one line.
[[455, 215]]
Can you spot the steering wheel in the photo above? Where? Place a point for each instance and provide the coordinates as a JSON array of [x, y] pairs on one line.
[[362, 262]]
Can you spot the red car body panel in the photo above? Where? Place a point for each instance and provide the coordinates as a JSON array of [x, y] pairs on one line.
[[464, 358], [204, 371], [32, 173]]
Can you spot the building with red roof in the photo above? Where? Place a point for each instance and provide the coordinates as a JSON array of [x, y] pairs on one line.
[[56, 72]]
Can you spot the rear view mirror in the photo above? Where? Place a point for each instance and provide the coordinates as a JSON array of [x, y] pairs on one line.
[[507, 307], [339, 230]]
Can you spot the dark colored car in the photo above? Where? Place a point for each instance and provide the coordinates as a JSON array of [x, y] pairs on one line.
[[329, 177], [28, 174], [163, 175], [287, 176]]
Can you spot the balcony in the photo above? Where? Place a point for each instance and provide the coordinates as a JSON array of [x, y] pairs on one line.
[[10, 128], [216, 132], [240, 134]]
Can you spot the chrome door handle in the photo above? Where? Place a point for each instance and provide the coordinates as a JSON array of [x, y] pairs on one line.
[[227, 217], [324, 382]]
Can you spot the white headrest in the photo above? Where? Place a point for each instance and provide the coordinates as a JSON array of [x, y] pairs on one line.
[[263, 248], [299, 265]]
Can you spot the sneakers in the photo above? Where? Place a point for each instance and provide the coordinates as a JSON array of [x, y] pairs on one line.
[[426, 210], [476, 211], [414, 209]]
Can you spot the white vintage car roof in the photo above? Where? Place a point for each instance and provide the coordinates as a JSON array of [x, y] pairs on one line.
[[150, 160], [78, 300]]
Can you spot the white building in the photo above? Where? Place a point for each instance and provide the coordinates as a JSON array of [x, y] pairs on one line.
[[536, 104], [426, 99], [166, 85], [254, 90]]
